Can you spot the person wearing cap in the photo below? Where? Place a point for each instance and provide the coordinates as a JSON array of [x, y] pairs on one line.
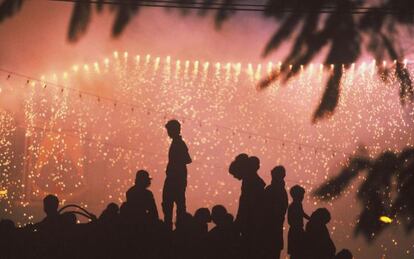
[[140, 201], [176, 174]]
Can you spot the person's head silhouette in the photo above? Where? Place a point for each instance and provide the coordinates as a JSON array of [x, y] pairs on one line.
[[321, 216], [254, 163], [238, 166], [344, 254], [297, 193], [143, 179], [218, 214], [202, 215], [50, 205], [278, 173], [173, 128], [112, 208]]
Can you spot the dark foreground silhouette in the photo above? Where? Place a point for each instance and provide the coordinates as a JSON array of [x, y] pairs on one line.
[[134, 229]]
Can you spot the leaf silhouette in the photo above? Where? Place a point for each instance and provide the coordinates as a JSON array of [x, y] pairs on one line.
[[330, 97], [79, 21], [375, 191], [8, 8]]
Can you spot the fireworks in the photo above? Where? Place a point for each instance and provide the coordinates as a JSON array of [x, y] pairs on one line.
[[94, 125]]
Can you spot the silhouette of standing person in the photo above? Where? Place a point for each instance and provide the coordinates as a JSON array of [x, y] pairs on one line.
[[296, 234], [140, 200], [250, 215], [276, 206], [176, 179], [319, 244]]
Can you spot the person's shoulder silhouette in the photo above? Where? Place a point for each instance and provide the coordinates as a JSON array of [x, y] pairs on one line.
[[139, 200], [276, 192], [178, 154], [110, 214], [52, 219]]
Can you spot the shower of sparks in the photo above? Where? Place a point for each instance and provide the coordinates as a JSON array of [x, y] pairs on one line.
[[84, 136]]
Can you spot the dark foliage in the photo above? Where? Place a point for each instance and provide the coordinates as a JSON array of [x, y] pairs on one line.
[[386, 190], [9, 7]]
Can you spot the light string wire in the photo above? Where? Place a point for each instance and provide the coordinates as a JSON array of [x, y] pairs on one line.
[[249, 7], [132, 107]]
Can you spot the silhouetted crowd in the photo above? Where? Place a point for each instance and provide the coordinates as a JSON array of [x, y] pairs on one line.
[[135, 230]]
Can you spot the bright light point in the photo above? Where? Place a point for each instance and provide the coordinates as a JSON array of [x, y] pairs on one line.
[[125, 54], [405, 62], [43, 78], [218, 65], [384, 63], [86, 67], [115, 54], [332, 66], [3, 193], [395, 61], [33, 83], [75, 68], [137, 58], [290, 66], [106, 61], [168, 59], [301, 67], [65, 75], [385, 219], [147, 58]]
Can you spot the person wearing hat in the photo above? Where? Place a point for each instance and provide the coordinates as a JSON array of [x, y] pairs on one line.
[[140, 201], [176, 179]]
